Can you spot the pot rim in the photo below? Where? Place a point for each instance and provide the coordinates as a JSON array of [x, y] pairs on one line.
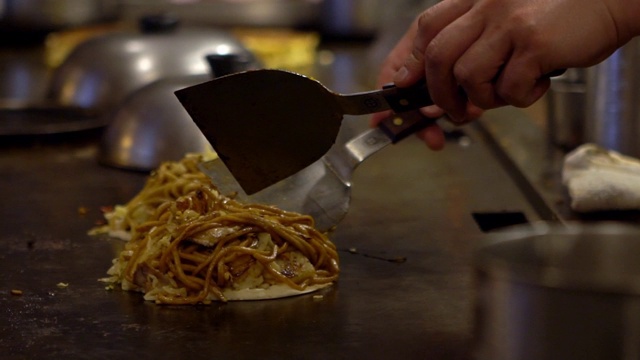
[[552, 255]]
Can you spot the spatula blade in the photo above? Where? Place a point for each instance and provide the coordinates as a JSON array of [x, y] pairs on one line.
[[315, 191], [243, 114], [323, 189]]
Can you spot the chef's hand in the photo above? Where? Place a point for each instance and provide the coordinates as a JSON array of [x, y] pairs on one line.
[[432, 135], [482, 54]]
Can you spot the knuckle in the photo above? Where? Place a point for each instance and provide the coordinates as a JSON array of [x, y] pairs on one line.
[[528, 32], [483, 96], [482, 99], [464, 75], [417, 56], [434, 57], [510, 94], [425, 18], [480, 93]]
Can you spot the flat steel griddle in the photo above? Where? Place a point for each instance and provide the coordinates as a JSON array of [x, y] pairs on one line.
[[408, 204], [405, 290]]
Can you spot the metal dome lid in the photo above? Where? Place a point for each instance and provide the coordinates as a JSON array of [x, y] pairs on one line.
[[100, 72]]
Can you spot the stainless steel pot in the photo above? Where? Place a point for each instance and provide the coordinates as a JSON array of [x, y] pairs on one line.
[[566, 109], [613, 101], [559, 292]]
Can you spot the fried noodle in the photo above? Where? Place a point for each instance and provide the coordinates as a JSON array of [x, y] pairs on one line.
[[189, 244]]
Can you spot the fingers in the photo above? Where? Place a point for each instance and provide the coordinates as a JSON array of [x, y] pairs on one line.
[[396, 58], [493, 74], [432, 111], [428, 26], [377, 118], [467, 57], [474, 112], [478, 68], [433, 136], [521, 83], [442, 54]]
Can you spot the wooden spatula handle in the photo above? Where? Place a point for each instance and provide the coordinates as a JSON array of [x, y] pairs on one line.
[[409, 98], [399, 126]]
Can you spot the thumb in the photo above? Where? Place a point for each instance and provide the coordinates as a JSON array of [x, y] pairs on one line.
[[413, 68]]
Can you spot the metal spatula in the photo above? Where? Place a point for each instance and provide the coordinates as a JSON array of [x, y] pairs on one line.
[[323, 189], [267, 124]]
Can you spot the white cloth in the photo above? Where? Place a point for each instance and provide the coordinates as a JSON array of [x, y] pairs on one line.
[[599, 179]]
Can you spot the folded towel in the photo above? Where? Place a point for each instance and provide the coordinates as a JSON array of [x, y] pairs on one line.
[[599, 179]]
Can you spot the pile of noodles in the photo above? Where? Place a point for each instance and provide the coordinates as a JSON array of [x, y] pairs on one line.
[[188, 244]]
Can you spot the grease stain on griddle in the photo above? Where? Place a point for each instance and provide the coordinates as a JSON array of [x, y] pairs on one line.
[[391, 259]]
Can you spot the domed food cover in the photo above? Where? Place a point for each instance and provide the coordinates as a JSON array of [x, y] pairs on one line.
[[102, 71], [150, 126]]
